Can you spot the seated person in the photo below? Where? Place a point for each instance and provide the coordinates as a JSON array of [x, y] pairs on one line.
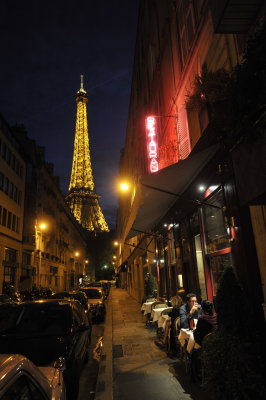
[[189, 311], [206, 321], [205, 325], [176, 302]]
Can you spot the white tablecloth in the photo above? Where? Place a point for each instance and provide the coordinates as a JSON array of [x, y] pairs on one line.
[[156, 312], [187, 335], [146, 307], [162, 320]]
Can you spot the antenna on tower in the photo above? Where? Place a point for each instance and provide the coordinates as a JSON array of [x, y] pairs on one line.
[[81, 82]]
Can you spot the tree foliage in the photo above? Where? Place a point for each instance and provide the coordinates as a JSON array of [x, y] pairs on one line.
[[235, 100], [232, 364]]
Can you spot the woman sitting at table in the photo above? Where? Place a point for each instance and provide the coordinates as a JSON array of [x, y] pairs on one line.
[[206, 321], [176, 302], [205, 325]]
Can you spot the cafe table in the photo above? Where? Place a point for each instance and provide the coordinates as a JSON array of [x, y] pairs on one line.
[[162, 320], [146, 307], [186, 335], [156, 312]]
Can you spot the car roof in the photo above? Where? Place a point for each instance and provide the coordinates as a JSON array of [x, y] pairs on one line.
[[12, 365], [47, 302]]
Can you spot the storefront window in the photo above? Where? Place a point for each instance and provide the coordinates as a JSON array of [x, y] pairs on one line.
[[218, 264], [217, 235], [200, 267]]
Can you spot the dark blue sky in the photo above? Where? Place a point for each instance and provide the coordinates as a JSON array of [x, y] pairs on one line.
[[45, 46]]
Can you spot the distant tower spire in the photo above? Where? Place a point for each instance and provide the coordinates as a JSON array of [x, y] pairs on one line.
[[81, 198]]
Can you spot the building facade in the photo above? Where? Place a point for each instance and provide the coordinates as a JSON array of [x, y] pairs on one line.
[[54, 246], [12, 193], [188, 213]]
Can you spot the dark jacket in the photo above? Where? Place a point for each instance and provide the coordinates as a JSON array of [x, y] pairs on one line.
[[205, 325], [185, 317], [174, 313]]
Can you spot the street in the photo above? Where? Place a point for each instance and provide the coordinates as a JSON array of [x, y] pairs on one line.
[[89, 374]]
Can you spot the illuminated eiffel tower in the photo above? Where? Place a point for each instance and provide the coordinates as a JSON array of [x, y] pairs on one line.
[[81, 198]]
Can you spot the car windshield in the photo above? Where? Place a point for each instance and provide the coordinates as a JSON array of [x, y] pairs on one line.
[[92, 293], [35, 318]]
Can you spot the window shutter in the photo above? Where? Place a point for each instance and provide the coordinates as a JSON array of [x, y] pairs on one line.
[[183, 134]]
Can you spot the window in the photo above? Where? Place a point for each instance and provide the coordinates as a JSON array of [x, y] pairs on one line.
[[26, 258], [11, 190], [19, 197], [6, 185], [17, 167], [18, 224], [9, 219], [13, 162], [2, 181], [23, 389], [10, 255], [14, 223], [216, 233], [3, 151], [4, 217], [186, 27], [217, 266], [15, 194], [8, 159]]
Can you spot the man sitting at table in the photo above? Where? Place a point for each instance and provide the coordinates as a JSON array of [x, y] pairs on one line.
[[189, 311]]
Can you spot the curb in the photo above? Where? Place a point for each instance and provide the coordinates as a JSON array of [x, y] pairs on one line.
[[104, 386]]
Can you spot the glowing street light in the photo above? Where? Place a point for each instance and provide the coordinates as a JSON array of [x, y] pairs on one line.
[[124, 186], [116, 243], [76, 253]]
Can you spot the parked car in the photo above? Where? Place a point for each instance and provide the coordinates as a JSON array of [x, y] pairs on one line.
[[43, 331], [76, 295], [95, 298], [4, 298], [100, 285], [21, 379]]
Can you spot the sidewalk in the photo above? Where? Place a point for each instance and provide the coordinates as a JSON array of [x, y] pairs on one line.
[[132, 366]]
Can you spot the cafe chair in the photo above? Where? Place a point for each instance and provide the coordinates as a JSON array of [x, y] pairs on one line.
[[173, 345], [160, 332]]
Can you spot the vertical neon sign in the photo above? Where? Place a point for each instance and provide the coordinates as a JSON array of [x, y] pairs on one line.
[[152, 145]]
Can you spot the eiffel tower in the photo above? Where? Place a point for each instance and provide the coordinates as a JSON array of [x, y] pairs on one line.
[[82, 199]]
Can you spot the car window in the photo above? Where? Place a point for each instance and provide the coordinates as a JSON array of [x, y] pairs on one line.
[[92, 294], [35, 318], [23, 389], [76, 318], [81, 313]]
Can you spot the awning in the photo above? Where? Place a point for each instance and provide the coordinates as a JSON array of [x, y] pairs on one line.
[[175, 179]]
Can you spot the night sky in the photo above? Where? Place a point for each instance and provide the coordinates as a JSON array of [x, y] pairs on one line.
[[45, 46]]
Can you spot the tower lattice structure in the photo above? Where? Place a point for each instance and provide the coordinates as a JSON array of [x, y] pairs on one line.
[[81, 198]]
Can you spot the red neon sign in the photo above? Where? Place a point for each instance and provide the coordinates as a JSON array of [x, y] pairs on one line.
[[152, 145]]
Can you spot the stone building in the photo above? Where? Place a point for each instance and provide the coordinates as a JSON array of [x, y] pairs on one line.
[[188, 212], [12, 193], [54, 244]]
